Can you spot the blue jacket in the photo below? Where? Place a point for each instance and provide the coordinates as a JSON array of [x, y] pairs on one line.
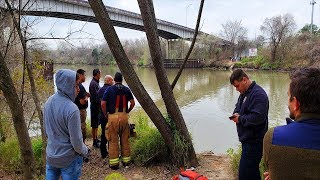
[[293, 151], [253, 107]]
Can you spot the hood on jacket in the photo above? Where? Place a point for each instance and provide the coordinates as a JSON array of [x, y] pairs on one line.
[[65, 82]]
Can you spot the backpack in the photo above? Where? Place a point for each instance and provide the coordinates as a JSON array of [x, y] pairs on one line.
[[189, 175]]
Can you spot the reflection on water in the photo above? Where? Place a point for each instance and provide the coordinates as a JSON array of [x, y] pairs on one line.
[[206, 99]]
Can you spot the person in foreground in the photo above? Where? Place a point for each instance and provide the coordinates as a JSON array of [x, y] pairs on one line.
[[251, 118], [114, 106], [65, 149], [292, 151]]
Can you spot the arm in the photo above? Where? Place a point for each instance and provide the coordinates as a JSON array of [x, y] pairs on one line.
[[104, 107], [74, 127], [267, 142], [132, 104]]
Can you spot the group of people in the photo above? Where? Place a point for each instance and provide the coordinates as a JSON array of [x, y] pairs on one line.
[[65, 122], [291, 151]]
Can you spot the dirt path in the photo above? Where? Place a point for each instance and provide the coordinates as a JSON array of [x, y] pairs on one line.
[[211, 165]]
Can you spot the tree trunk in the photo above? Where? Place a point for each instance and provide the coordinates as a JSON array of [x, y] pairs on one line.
[[9, 91], [273, 54], [150, 26], [128, 72], [31, 79]]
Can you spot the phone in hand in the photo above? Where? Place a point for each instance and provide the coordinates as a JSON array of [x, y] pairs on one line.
[[231, 117]]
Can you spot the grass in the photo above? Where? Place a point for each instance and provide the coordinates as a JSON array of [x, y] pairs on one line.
[[10, 156], [148, 142], [235, 155]]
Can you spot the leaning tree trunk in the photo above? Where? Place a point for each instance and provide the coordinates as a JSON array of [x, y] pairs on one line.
[[10, 93], [128, 72], [150, 26], [31, 79]]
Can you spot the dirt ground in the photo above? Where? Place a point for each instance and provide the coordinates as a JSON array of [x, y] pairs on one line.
[[211, 165], [214, 167]]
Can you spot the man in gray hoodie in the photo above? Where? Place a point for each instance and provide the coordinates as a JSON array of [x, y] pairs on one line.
[[65, 149]]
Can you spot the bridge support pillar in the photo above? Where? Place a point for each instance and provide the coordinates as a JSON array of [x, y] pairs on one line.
[[176, 48]]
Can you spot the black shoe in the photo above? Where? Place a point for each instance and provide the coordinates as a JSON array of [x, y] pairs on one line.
[[95, 143], [127, 163], [85, 159], [114, 167]]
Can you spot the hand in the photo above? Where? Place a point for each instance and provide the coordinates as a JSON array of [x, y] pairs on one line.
[[266, 175], [236, 118]]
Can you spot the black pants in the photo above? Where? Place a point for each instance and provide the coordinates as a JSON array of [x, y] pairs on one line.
[[249, 162], [103, 144]]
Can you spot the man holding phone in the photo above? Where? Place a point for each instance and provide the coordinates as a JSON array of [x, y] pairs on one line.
[[251, 118]]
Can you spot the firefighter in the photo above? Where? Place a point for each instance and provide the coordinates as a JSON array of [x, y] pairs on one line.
[[114, 105]]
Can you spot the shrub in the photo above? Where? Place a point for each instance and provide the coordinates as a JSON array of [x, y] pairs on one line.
[[148, 144], [10, 157]]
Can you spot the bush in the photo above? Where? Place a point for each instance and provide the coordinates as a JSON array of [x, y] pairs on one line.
[[148, 144], [10, 157], [235, 156]]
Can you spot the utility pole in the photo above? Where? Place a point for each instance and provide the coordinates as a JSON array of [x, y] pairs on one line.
[[311, 25]]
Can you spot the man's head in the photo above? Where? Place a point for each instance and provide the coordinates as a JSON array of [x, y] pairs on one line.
[[304, 92], [96, 74], [82, 76], [118, 77], [240, 80], [108, 80]]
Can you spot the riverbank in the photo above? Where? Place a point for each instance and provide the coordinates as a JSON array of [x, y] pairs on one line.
[[211, 165]]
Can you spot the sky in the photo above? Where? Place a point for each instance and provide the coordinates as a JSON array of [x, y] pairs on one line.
[[251, 13]]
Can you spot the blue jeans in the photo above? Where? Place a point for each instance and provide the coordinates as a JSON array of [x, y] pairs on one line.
[[71, 172], [249, 162]]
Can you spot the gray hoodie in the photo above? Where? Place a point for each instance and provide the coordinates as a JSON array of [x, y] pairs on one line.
[[62, 122]]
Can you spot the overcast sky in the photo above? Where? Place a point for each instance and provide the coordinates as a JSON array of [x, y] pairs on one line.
[[184, 12]]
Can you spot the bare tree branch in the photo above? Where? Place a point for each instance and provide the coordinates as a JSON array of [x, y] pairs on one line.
[[191, 46]]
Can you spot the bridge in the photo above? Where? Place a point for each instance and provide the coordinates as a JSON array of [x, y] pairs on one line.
[[80, 10]]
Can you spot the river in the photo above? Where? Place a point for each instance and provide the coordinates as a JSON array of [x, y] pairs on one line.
[[206, 99]]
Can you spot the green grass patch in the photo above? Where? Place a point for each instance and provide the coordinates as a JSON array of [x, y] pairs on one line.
[[115, 176]]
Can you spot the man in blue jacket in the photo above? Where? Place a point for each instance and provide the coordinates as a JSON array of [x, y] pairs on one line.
[[65, 149], [251, 118], [293, 151]]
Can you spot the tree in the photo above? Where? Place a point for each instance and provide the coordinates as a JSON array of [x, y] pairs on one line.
[[234, 32], [277, 29], [306, 28], [12, 99], [147, 11], [95, 56]]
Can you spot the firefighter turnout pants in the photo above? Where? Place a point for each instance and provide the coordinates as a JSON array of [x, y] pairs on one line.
[[118, 127]]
